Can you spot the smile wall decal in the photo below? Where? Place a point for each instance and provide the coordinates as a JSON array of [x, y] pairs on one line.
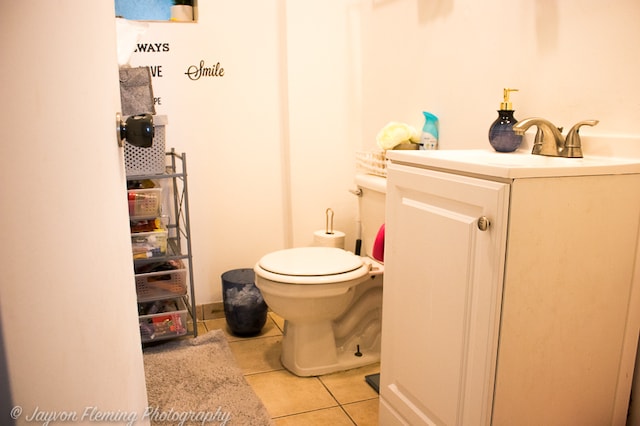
[[194, 72]]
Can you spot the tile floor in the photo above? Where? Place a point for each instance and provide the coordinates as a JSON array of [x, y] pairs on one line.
[[333, 399]]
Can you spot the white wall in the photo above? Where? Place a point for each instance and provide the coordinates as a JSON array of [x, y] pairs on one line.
[[271, 144], [230, 128], [571, 60], [67, 294], [267, 143], [322, 108]]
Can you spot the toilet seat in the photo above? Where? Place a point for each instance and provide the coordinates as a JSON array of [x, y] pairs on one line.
[[312, 265]]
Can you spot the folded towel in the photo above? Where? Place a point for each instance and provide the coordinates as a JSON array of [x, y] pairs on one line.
[[394, 133]]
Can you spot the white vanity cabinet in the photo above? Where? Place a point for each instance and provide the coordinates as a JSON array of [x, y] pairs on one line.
[[510, 292]]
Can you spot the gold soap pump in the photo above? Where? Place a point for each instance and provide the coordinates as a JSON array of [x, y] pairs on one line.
[[501, 135]]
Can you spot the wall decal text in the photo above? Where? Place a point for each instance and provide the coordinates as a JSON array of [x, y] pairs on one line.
[[194, 72], [152, 47], [155, 70]]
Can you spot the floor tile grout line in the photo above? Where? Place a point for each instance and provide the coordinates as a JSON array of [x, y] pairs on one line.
[[348, 416], [329, 391], [307, 412], [262, 372], [336, 400], [246, 339], [360, 400]]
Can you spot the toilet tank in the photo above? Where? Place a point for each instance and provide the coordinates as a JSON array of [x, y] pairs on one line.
[[371, 205]]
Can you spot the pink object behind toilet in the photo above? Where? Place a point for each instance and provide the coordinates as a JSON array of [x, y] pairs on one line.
[[378, 245]]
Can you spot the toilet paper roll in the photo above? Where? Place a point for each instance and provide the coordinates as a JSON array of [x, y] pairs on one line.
[[322, 239]]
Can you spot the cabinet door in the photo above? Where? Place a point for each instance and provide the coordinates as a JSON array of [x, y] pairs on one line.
[[442, 295]]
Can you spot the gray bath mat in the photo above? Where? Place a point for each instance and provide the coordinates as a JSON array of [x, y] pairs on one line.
[[198, 380]]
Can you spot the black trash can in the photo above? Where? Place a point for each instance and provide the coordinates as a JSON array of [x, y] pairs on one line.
[[244, 307]]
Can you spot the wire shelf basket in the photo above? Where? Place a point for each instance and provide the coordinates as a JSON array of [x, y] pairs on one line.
[[145, 161]]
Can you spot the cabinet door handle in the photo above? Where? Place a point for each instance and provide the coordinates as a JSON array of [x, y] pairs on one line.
[[483, 223]]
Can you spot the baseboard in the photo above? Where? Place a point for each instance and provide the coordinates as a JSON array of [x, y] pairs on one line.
[[210, 311]]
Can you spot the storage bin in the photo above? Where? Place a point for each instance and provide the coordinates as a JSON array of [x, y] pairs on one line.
[[161, 285], [244, 308], [146, 245], [162, 319], [144, 203], [147, 225], [147, 161]]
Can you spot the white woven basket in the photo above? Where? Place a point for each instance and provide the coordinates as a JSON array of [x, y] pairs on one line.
[[372, 163]]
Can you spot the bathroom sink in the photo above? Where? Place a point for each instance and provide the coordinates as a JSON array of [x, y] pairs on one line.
[[519, 164]]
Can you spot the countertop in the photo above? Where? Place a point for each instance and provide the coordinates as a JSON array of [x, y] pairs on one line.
[[519, 164]]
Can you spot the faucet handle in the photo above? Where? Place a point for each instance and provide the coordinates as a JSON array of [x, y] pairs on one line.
[[573, 144], [539, 139]]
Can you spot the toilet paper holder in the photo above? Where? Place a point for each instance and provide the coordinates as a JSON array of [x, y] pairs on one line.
[[328, 221], [328, 237]]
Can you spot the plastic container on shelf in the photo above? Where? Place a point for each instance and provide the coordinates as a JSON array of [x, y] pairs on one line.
[[162, 284], [162, 319], [144, 203], [146, 245], [244, 308]]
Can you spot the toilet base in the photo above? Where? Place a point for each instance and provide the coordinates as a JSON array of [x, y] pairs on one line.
[[309, 349]]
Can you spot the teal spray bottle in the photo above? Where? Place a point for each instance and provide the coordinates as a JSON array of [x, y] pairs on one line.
[[429, 136]]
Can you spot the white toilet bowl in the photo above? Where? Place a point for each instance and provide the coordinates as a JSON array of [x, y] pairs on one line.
[[331, 302]]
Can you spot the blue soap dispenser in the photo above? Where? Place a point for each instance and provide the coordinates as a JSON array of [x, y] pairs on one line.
[[501, 135]]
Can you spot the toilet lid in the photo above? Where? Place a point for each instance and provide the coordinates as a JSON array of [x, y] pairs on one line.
[[310, 261]]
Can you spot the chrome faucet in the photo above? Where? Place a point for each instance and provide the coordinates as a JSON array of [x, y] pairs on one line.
[[549, 140]]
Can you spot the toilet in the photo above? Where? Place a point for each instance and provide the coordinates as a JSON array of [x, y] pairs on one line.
[[330, 298]]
